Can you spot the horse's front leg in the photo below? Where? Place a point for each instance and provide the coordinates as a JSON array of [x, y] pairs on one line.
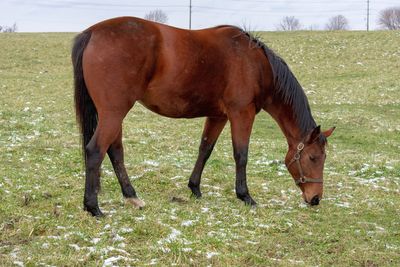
[[241, 125], [212, 129]]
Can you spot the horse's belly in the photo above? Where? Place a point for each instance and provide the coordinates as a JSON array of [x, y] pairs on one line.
[[181, 108]]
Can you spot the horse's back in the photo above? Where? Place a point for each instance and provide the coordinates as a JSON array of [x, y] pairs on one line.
[[174, 72]]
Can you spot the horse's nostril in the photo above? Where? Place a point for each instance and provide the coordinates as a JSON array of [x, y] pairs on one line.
[[314, 201]]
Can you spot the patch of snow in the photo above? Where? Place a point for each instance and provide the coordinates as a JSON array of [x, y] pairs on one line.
[[152, 163], [75, 246], [125, 230], [388, 246], [264, 226], [204, 210], [214, 194], [95, 240], [153, 261], [209, 255], [173, 236], [343, 204], [118, 238], [110, 261], [142, 218], [187, 223]]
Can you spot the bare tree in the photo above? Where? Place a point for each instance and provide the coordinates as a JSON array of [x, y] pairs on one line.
[[389, 18], [12, 28], [157, 15], [337, 23], [289, 24]]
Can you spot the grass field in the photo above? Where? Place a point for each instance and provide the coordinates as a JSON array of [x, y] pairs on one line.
[[352, 80]]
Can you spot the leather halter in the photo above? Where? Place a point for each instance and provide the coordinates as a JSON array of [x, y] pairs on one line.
[[302, 179]]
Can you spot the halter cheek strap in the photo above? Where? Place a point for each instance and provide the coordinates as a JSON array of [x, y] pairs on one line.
[[302, 179]]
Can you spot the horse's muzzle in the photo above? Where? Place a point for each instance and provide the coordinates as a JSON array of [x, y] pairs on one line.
[[314, 201]]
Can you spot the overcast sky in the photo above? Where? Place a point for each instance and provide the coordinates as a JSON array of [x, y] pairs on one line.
[[76, 15]]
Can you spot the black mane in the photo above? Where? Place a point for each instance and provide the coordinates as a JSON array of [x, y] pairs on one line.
[[287, 86]]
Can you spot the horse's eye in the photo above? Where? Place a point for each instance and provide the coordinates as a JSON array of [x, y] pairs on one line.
[[312, 158]]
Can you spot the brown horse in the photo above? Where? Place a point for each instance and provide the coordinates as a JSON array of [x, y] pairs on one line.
[[221, 73]]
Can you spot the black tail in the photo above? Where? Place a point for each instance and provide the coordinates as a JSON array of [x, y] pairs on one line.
[[86, 113]]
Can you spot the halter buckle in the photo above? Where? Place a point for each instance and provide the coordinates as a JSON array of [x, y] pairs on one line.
[[302, 180], [300, 147]]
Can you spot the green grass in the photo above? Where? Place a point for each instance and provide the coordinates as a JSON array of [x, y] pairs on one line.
[[352, 81]]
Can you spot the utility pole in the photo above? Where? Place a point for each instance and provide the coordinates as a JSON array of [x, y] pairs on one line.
[[367, 15], [190, 15]]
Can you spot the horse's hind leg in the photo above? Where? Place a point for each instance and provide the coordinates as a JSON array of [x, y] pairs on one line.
[[212, 130], [116, 154], [106, 133], [241, 125]]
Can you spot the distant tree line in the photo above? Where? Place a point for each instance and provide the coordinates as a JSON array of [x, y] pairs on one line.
[[389, 19], [335, 23], [12, 28]]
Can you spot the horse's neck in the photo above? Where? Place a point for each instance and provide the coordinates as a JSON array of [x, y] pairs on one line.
[[284, 115]]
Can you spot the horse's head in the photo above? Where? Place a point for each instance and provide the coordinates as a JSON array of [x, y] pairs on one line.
[[305, 162]]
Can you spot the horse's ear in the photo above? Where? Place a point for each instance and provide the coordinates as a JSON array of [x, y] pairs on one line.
[[328, 133], [314, 134]]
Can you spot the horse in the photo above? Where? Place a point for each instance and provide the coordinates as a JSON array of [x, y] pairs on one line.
[[222, 73]]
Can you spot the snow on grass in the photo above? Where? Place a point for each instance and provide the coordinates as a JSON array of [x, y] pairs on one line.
[[95, 240], [75, 246], [204, 209], [209, 255], [125, 230], [152, 163], [343, 204], [117, 238], [112, 260], [173, 236], [188, 223], [19, 263], [153, 261]]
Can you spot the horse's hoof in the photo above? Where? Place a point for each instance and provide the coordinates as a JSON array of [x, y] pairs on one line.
[[95, 212], [196, 194], [248, 201], [195, 190], [136, 202]]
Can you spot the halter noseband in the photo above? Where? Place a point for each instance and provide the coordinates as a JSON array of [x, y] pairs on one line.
[[302, 179]]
